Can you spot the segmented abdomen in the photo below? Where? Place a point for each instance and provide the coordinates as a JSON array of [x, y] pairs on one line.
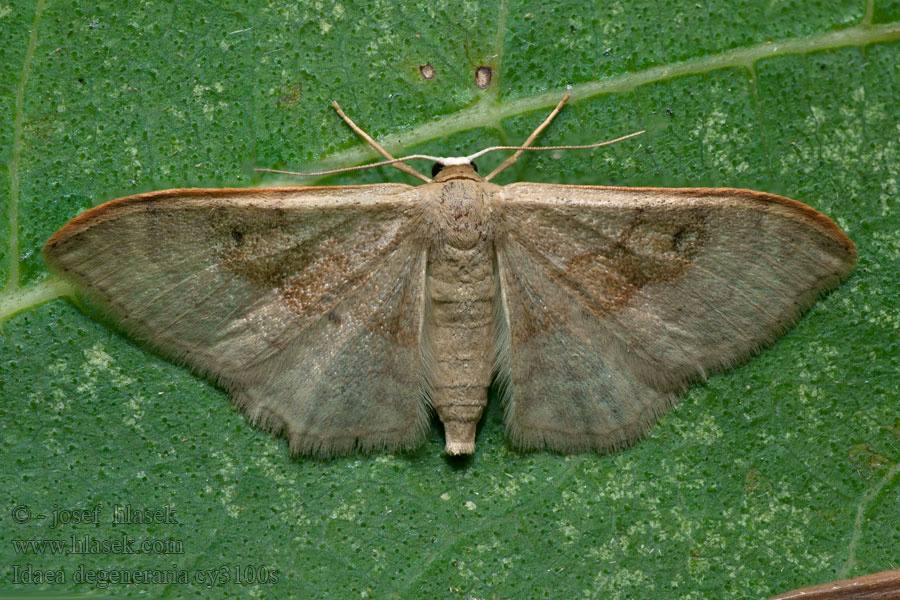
[[461, 287]]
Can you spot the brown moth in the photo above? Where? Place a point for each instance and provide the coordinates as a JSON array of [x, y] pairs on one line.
[[341, 316]]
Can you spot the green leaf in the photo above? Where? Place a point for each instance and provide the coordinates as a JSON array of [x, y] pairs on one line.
[[781, 473]]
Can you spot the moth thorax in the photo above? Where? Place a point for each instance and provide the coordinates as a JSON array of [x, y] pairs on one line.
[[464, 213]]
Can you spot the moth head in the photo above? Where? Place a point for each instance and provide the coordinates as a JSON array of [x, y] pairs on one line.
[[455, 168]]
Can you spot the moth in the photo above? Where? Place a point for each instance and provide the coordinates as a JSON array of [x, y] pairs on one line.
[[342, 316]]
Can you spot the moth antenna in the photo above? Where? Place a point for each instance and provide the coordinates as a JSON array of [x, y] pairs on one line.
[[533, 148], [378, 148], [392, 161], [512, 159], [527, 145]]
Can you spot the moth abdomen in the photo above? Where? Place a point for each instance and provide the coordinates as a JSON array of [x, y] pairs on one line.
[[461, 334]]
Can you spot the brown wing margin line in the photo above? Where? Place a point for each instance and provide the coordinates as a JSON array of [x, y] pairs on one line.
[[813, 216], [86, 218]]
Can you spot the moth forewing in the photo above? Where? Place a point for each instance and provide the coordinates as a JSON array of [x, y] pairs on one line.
[[619, 297], [304, 303]]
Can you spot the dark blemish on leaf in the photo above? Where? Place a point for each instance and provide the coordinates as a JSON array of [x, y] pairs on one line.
[[572, 28], [290, 95], [81, 80], [894, 429], [483, 77], [427, 71], [863, 456], [333, 317], [238, 237]]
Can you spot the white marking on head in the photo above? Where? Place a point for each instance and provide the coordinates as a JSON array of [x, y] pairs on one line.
[[453, 161]]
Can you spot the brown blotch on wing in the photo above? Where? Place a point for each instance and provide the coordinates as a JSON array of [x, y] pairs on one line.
[[321, 280], [653, 247], [311, 273]]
